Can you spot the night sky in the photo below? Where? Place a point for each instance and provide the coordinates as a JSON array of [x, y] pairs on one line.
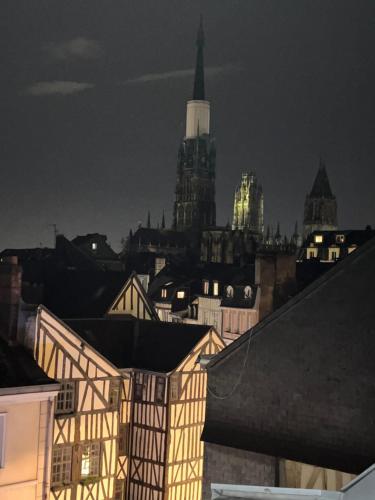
[[93, 97]]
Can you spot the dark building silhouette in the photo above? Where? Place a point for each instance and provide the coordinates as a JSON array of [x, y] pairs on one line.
[[194, 207], [320, 205]]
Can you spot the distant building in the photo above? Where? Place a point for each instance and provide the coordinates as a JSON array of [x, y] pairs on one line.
[[194, 207], [320, 205], [96, 246], [248, 205], [290, 403]]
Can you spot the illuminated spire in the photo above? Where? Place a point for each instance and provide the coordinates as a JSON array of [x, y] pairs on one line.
[[198, 92]]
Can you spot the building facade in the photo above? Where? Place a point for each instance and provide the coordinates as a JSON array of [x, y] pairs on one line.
[[248, 205]]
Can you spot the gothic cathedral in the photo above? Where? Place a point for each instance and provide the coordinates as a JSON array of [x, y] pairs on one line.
[[194, 207], [248, 205]]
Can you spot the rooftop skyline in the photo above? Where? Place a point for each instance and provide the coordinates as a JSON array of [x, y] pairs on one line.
[[93, 109]]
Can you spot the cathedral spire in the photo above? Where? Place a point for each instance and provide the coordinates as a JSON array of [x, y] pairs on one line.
[[198, 92], [321, 187]]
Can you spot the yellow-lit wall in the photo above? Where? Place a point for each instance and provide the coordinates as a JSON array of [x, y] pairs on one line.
[[27, 447]]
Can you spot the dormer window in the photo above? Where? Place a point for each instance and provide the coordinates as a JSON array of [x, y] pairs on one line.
[[216, 288], [229, 292], [206, 286], [318, 238], [340, 238], [247, 292], [94, 246], [181, 294], [163, 293]]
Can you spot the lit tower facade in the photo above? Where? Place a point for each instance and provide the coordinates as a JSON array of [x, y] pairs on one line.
[[320, 205], [248, 205], [194, 207]]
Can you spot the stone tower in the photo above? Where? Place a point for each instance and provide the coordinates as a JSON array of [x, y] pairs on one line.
[[248, 205], [320, 205], [194, 207]]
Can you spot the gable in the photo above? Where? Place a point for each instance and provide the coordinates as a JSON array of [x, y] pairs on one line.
[[133, 300]]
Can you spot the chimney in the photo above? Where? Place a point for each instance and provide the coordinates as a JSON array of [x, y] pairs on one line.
[[10, 296]]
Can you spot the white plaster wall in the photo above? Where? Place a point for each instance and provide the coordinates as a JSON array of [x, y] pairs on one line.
[[209, 312]]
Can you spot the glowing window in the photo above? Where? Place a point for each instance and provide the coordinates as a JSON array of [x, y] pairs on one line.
[[216, 288], [206, 285], [312, 253], [333, 253], [65, 401], [163, 293], [94, 246], [90, 460], [340, 238], [247, 292], [318, 238], [2, 440], [181, 294], [61, 465], [229, 291]]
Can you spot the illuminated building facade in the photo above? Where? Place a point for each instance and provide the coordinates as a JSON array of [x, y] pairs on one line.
[[194, 207], [248, 205]]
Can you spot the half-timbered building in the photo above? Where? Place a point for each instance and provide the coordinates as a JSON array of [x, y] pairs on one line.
[[131, 409]]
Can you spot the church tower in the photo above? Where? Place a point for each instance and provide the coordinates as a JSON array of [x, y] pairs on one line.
[[248, 205], [320, 205], [194, 207]]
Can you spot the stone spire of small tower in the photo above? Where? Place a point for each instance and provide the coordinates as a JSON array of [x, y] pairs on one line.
[[163, 221], [198, 92], [148, 219]]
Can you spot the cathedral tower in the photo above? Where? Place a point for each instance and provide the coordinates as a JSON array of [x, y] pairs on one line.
[[320, 205], [248, 205], [194, 207]]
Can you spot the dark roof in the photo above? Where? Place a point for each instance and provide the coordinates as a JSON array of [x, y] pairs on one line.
[[19, 369], [321, 187], [130, 343], [238, 299], [160, 237], [352, 237], [306, 390]]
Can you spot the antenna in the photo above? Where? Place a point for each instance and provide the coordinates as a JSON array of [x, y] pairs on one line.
[[55, 231]]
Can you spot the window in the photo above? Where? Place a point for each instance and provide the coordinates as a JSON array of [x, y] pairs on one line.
[[206, 286], [318, 238], [65, 401], [247, 292], [114, 394], [181, 294], [94, 246], [123, 439], [229, 291], [61, 465], [159, 390], [2, 440], [216, 288], [119, 489], [90, 460], [138, 387], [163, 293], [312, 253], [333, 253], [175, 384], [340, 238]]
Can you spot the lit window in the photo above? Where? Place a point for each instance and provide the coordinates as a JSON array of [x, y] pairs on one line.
[[206, 285], [216, 288], [65, 400], [340, 238], [175, 383], [163, 293], [90, 460], [94, 246], [181, 294], [61, 465], [2, 440], [159, 390], [229, 291], [123, 439], [333, 253], [114, 394], [247, 292], [318, 238], [312, 253], [119, 489]]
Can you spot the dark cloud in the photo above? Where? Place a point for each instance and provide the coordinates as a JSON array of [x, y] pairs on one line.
[[76, 48]]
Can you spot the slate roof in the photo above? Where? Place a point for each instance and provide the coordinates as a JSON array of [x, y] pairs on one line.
[[19, 369], [141, 344], [306, 389]]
